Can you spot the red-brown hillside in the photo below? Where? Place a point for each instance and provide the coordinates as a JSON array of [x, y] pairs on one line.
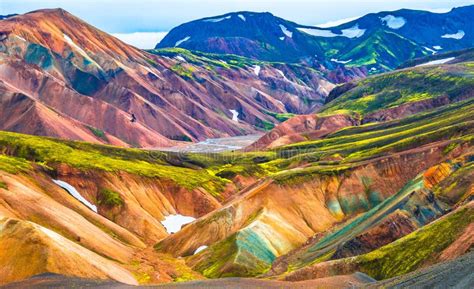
[[78, 72]]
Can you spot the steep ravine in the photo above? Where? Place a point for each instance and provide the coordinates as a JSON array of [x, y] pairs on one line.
[[123, 230], [246, 227]]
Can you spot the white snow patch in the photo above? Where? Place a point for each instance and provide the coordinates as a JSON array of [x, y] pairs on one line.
[[281, 73], [393, 21], [173, 223], [286, 31], [282, 38], [437, 47], [353, 32], [458, 35], [242, 17], [182, 40], [21, 38], [69, 40], [430, 50], [439, 10], [318, 32], [235, 115], [201, 248], [439, 61], [215, 20], [180, 58], [340, 61], [256, 70], [73, 192], [373, 69]]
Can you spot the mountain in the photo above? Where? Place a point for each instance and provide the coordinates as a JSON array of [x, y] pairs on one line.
[[7, 16], [371, 185], [431, 82], [379, 41], [65, 78], [424, 83], [365, 171], [451, 57], [359, 180], [385, 198]]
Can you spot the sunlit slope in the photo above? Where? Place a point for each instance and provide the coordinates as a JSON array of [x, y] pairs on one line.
[[404, 92], [421, 248], [440, 80], [133, 191], [421, 201], [81, 83], [340, 176], [251, 208]]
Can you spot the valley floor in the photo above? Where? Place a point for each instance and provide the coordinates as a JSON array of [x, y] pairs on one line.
[[216, 145]]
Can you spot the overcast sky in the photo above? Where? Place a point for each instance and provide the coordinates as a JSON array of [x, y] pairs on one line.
[[130, 16]]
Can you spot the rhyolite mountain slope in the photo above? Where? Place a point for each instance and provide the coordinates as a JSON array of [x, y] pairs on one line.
[[132, 190], [450, 57], [252, 209], [425, 83], [379, 41], [379, 183], [339, 177], [78, 82], [363, 198], [396, 94]]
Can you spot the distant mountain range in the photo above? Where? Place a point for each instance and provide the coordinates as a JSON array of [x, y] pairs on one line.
[[7, 16], [379, 41]]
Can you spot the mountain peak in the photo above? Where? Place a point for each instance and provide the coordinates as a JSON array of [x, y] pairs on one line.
[[263, 36], [51, 11]]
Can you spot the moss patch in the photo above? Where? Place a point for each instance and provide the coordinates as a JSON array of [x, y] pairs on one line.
[[234, 257], [13, 165], [110, 198], [183, 70], [85, 156], [3, 185], [98, 133], [416, 249]]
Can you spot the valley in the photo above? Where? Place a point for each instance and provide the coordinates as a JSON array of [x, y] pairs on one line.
[[216, 145], [227, 157]]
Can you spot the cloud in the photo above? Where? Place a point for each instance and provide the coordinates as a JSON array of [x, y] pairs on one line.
[[143, 40], [439, 10], [336, 22]]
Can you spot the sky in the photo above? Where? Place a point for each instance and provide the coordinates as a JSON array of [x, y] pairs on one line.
[[144, 22]]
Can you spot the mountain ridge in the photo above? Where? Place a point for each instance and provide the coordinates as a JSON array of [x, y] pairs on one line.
[[367, 183], [172, 100], [266, 37]]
